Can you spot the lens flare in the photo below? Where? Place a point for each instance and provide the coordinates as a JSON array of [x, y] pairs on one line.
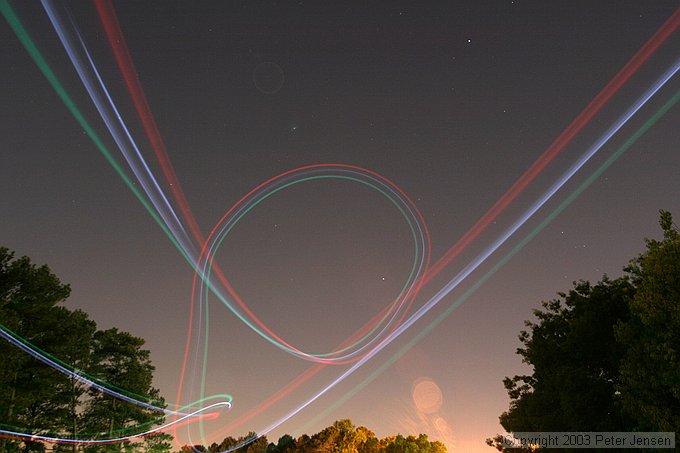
[[427, 396]]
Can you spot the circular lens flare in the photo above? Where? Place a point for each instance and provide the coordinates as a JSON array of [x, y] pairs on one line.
[[427, 396]]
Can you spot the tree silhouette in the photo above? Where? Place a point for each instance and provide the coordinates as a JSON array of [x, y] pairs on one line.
[[650, 372], [37, 399], [605, 356]]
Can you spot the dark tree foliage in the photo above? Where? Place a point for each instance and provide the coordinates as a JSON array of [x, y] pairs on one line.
[[286, 444], [605, 357], [120, 361], [650, 372], [575, 360], [28, 299], [36, 398]]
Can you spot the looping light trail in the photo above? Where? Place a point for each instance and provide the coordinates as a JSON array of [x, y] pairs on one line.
[[355, 174]]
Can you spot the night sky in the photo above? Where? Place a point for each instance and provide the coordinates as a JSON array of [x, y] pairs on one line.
[[451, 101]]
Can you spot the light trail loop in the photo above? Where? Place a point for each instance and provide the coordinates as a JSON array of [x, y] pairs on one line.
[[390, 317]]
